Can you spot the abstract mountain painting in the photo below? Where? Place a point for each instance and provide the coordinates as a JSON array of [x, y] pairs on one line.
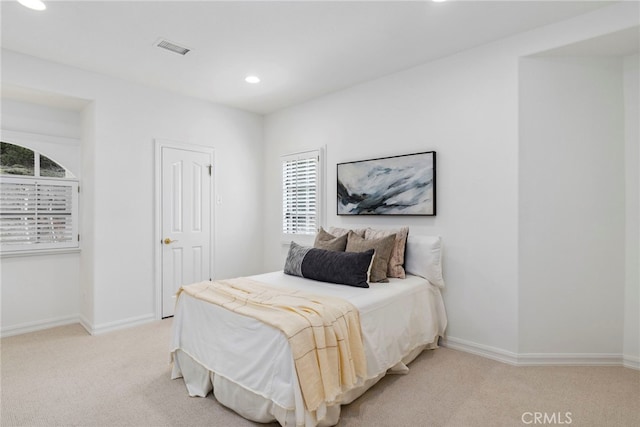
[[399, 185]]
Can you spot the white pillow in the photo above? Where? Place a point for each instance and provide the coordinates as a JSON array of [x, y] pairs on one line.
[[423, 257]]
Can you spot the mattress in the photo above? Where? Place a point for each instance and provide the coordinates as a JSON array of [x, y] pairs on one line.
[[249, 364]]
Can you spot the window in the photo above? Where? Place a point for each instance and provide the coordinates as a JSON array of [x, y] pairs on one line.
[[38, 203], [17, 160], [301, 193]]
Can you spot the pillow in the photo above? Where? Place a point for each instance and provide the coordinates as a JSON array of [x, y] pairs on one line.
[[337, 231], [424, 258], [330, 242], [396, 260], [382, 249], [343, 268]]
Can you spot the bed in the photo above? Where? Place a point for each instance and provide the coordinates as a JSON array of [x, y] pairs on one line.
[[249, 365]]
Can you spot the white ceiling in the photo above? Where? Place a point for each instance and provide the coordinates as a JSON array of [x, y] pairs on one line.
[[300, 49]]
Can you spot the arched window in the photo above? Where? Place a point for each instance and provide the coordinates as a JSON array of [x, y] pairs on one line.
[[38, 203], [22, 161]]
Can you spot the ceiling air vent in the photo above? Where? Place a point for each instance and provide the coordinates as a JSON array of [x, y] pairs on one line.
[[166, 44]]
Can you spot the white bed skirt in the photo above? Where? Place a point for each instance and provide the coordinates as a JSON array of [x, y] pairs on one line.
[[200, 382]]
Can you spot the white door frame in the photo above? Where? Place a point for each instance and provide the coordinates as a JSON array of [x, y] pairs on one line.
[[159, 144]]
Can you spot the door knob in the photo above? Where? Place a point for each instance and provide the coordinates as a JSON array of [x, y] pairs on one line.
[[168, 241]]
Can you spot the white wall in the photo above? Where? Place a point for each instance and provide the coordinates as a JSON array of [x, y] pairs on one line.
[[572, 205], [121, 123], [87, 301], [28, 116], [39, 291], [465, 107], [44, 289], [631, 348]]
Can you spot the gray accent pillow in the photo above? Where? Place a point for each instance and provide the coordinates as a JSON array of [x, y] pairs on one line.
[[344, 268], [382, 249], [330, 242], [293, 263]]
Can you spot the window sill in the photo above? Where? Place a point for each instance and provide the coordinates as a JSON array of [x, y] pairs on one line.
[[37, 252]]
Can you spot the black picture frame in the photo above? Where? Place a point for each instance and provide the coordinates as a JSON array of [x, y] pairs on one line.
[[398, 185]]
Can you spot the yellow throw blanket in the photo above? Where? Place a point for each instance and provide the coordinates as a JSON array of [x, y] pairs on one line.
[[324, 332]]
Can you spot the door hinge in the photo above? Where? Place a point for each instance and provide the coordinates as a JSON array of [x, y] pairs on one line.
[[78, 237], [78, 188], [210, 167]]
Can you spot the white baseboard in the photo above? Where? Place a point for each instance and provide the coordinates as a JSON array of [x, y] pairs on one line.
[[119, 324], [632, 362], [24, 328], [38, 325], [541, 359], [569, 359], [85, 323], [480, 350]]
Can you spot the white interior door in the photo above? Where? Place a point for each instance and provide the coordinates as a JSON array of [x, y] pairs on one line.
[[186, 221]]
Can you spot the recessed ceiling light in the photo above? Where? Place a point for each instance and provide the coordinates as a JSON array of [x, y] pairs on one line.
[[33, 4], [438, 1], [252, 79]]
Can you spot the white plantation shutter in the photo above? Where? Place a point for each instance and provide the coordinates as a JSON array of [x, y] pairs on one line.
[[300, 193], [38, 214]]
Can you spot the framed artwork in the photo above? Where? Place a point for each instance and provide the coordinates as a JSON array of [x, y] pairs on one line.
[[399, 185]]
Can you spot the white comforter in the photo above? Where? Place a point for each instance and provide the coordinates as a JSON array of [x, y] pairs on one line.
[[397, 317]]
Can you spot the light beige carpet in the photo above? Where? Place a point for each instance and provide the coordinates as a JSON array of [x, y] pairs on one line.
[[64, 377]]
